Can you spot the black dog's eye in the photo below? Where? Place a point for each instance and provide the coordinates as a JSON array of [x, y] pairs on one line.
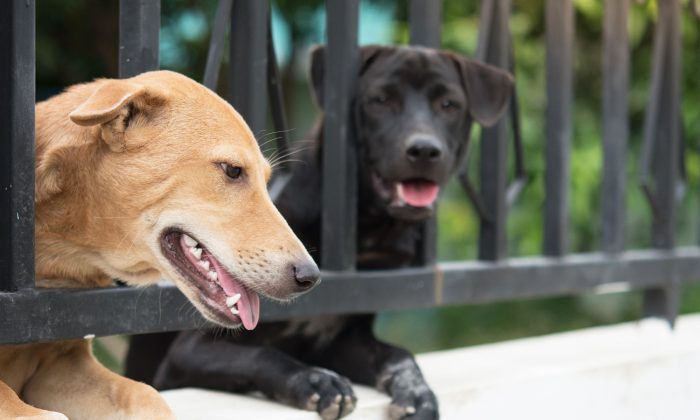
[[449, 104], [379, 99], [233, 172]]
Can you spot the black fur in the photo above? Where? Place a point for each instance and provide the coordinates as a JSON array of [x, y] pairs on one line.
[[405, 96]]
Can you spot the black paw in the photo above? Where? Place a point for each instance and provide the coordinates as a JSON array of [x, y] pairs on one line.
[[414, 404], [411, 398], [323, 391]]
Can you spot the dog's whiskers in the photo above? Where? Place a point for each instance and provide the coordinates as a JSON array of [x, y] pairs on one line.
[[282, 162], [266, 142], [276, 159], [264, 132]]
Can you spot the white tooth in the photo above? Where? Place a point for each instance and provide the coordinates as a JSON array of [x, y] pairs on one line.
[[234, 311], [212, 275], [189, 241], [197, 252], [204, 264], [232, 300]]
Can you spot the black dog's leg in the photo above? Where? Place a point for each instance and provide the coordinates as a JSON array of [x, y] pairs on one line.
[[145, 354], [359, 355], [201, 360]]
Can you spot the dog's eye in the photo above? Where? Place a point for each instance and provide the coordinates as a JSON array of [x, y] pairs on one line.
[[233, 172], [379, 99], [449, 104]]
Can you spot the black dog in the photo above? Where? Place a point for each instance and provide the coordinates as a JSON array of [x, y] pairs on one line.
[[412, 111]]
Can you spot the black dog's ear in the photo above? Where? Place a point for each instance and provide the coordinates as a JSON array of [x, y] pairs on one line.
[[488, 89], [318, 66]]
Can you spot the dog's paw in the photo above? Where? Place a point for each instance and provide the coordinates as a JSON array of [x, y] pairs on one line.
[[411, 397], [323, 391], [414, 404]]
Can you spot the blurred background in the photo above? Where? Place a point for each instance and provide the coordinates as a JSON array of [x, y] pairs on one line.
[[77, 40]]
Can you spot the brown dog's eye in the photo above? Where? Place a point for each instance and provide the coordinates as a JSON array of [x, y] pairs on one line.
[[233, 172]]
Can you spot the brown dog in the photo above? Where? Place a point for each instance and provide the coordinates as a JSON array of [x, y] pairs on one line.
[[140, 179]]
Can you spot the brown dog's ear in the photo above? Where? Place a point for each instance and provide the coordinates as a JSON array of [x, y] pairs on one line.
[[488, 89], [318, 66], [111, 106]]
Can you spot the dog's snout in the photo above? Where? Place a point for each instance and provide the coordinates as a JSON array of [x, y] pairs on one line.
[[424, 150], [306, 275]]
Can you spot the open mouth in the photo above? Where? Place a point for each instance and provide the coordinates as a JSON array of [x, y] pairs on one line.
[[414, 192], [220, 291]]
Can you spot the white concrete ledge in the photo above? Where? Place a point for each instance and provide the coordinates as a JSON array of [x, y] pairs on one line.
[[630, 371]]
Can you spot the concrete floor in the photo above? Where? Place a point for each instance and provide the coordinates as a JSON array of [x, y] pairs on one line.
[[629, 371]]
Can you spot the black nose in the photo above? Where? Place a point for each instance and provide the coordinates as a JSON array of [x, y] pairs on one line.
[[424, 150], [306, 275]]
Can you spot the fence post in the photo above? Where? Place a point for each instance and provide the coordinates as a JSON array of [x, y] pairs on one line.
[[425, 21], [494, 48], [248, 62], [560, 43], [339, 214], [615, 124], [139, 28], [17, 97], [216, 44], [661, 151]]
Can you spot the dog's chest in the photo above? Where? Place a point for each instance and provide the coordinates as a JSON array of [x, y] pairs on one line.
[[321, 331], [386, 245]]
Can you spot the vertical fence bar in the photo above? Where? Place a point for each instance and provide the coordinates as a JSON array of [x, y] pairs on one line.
[[425, 22], [217, 43], [560, 42], [276, 96], [494, 49], [139, 27], [339, 216], [282, 173], [17, 96], [248, 63], [615, 124], [662, 130]]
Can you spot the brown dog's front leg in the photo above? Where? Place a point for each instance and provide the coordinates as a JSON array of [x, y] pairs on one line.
[[71, 381], [11, 407]]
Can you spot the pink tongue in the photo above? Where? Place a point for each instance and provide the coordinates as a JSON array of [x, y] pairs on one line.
[[248, 305], [418, 193]]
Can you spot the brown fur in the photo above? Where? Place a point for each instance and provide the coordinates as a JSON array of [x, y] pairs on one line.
[[118, 161]]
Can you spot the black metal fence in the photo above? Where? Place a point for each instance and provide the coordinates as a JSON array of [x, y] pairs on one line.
[[28, 314]]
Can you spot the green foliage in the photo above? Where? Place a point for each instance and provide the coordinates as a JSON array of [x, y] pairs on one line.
[[466, 325], [106, 356]]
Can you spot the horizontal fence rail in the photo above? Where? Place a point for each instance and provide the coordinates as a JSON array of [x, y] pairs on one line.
[[76, 314], [29, 315]]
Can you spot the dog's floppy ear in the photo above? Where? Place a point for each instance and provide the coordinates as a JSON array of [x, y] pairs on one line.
[[111, 106], [488, 89], [318, 66]]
